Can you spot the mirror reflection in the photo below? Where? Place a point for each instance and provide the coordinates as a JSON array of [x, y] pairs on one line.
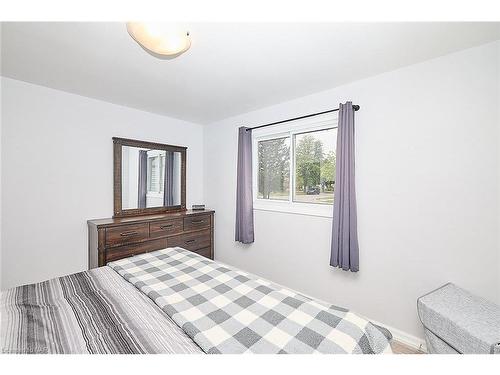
[[150, 178]]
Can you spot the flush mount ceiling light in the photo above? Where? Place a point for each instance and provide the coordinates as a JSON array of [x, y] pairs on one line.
[[160, 38]]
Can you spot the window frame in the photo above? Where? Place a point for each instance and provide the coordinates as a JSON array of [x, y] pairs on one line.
[[290, 129]]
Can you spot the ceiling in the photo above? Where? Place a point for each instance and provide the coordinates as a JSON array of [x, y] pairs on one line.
[[230, 68]]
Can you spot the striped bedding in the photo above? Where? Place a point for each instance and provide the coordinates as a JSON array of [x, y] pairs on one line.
[[93, 312]]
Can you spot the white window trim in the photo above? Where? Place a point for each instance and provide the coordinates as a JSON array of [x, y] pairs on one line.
[[289, 129]]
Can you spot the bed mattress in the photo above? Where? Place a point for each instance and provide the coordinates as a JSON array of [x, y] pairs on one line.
[[176, 301]]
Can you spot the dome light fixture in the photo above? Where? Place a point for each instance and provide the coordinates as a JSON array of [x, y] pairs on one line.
[[160, 38]]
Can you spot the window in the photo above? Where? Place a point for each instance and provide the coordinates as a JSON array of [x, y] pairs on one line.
[[274, 169], [156, 170], [315, 166], [294, 166]]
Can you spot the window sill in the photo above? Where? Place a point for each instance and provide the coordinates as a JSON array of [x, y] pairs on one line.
[[295, 208]]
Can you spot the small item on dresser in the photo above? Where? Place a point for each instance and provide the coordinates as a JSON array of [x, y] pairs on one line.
[[198, 207]]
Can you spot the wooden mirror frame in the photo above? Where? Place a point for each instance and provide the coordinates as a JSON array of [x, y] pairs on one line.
[[118, 143]]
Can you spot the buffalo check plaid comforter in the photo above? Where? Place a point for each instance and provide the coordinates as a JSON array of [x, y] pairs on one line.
[[225, 310]]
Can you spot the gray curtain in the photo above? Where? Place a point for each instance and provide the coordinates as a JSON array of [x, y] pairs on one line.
[[344, 247], [168, 180], [244, 198], [143, 178]]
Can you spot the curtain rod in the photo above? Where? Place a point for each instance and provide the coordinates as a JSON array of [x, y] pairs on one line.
[[354, 106]]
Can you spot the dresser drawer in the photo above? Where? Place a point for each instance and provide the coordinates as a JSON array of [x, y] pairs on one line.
[[120, 252], [165, 228], [197, 222], [126, 234], [191, 241]]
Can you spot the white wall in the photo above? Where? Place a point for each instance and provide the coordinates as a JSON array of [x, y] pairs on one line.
[[1, 25], [57, 172], [428, 191], [130, 176], [498, 151]]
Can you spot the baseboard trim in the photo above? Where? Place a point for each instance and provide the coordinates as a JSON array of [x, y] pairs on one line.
[[404, 337]]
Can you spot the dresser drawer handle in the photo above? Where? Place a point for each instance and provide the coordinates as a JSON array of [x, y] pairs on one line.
[[197, 221], [190, 241], [129, 233], [166, 226]]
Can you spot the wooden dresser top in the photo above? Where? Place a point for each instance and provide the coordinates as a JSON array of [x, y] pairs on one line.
[[110, 222]]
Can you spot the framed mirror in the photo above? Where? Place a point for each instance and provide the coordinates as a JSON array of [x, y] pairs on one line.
[[149, 177]]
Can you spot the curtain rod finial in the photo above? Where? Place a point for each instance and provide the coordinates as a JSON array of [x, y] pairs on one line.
[[356, 107]]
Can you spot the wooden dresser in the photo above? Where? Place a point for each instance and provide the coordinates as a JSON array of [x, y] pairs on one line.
[[117, 238]]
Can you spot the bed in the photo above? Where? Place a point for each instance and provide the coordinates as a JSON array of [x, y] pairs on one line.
[[176, 301]]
